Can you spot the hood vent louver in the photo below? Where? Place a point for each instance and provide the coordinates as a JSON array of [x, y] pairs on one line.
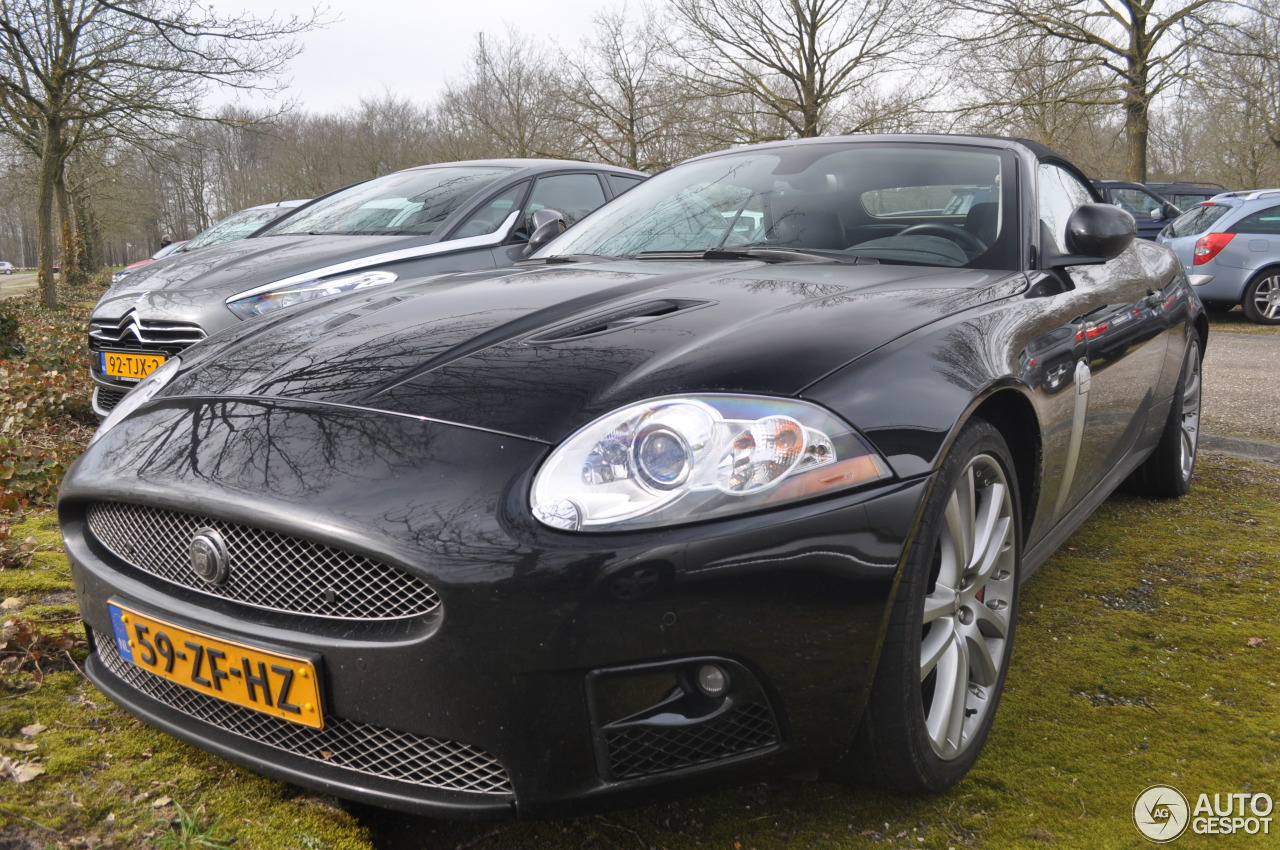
[[364, 310], [613, 320]]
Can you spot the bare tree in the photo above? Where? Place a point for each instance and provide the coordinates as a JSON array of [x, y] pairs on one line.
[[631, 107], [510, 102], [73, 72], [393, 133], [1242, 69], [1043, 89], [1141, 48], [798, 61]]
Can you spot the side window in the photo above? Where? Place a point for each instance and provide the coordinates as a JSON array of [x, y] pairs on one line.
[[489, 217], [572, 195], [1060, 194], [1135, 202], [1263, 221], [619, 183]]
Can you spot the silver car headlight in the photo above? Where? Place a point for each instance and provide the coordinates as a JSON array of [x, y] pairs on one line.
[[142, 392], [688, 458], [264, 299]]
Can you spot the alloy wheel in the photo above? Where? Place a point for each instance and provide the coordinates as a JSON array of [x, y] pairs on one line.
[[1191, 412], [1266, 298], [968, 609]]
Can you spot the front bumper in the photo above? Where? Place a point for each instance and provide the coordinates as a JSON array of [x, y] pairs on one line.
[[558, 674]]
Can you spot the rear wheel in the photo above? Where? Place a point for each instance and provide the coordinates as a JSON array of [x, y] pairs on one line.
[[1167, 473], [947, 648], [1261, 302]]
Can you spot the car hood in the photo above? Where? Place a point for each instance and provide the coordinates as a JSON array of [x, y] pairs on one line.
[[536, 353], [231, 267]]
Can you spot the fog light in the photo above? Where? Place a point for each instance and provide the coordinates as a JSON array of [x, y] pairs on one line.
[[712, 681]]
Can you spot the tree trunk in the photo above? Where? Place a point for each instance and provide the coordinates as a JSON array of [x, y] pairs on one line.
[[70, 232], [49, 161], [1137, 127]]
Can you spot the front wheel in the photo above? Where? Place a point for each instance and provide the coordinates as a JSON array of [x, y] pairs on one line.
[[1261, 302], [947, 648]]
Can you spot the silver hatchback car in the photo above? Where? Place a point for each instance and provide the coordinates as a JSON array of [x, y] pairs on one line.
[[1230, 245]]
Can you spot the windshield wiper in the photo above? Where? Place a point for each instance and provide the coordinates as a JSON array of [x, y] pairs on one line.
[[789, 255], [557, 259], [764, 255]]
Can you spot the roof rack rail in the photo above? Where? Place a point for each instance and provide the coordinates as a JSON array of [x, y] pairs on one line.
[[1247, 194]]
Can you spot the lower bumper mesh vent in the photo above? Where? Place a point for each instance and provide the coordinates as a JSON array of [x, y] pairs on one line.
[[360, 747], [105, 400], [643, 750]]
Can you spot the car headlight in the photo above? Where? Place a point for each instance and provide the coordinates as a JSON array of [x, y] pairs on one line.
[[255, 302], [142, 392], [688, 458]]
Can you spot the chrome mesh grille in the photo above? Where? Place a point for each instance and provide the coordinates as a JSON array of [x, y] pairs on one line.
[[360, 747], [267, 570], [644, 750]]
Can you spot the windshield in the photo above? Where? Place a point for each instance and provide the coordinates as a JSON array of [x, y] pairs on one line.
[[406, 203], [889, 202], [238, 225], [1198, 219]]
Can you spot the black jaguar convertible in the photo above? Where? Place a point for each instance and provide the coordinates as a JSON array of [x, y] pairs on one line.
[[738, 476]]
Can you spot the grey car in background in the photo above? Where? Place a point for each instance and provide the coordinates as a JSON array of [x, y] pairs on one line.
[[1184, 195], [429, 220], [242, 224], [238, 225], [1231, 248], [1150, 210]]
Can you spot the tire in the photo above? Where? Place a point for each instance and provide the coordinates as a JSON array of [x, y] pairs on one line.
[[1167, 473], [946, 651], [1261, 301]]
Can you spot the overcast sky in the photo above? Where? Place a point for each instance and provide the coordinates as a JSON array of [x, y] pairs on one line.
[[411, 47]]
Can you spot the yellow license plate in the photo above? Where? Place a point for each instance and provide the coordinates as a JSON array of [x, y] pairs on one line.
[[121, 364], [282, 686]]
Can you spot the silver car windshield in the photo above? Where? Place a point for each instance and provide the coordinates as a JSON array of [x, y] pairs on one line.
[[892, 203], [405, 203], [236, 226]]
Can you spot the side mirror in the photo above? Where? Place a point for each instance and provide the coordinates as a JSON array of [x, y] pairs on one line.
[[547, 225], [1170, 211], [1095, 233]]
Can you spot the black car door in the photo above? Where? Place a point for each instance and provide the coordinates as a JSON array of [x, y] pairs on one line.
[[1118, 347]]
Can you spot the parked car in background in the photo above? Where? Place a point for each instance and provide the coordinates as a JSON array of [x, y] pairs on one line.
[[676, 502], [238, 225], [1231, 247], [242, 224], [427, 220], [1150, 210], [1186, 195], [167, 250], [7, 268]]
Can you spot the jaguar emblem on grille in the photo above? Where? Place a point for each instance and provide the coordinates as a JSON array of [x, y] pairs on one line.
[[209, 559]]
